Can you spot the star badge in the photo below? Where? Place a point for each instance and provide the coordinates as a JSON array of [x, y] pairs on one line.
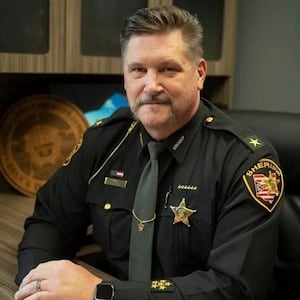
[[182, 213]]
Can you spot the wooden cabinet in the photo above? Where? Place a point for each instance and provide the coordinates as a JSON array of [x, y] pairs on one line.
[[14, 61], [219, 21], [89, 76], [105, 59], [84, 39], [64, 35], [217, 16]]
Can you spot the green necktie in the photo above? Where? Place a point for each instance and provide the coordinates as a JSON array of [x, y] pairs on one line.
[[142, 227]]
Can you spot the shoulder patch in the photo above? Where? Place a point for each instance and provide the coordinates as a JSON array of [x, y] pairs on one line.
[[264, 182]]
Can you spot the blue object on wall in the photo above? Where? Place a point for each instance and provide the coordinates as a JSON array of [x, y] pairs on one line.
[[110, 105]]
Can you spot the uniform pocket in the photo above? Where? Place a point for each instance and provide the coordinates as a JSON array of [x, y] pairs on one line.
[[190, 237], [110, 209]]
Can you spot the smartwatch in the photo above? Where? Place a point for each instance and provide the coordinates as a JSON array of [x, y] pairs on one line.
[[104, 291]]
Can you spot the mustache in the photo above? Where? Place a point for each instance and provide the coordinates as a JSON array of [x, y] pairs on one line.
[[160, 99]]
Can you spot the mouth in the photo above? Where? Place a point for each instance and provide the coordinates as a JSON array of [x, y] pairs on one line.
[[152, 101], [160, 99], [155, 103]]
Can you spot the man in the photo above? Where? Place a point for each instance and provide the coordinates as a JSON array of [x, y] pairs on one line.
[[218, 197]]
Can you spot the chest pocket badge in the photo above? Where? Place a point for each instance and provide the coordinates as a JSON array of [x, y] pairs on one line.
[[182, 213]]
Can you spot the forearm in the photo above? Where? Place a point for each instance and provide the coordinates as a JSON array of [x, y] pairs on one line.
[[186, 287], [41, 243], [238, 269]]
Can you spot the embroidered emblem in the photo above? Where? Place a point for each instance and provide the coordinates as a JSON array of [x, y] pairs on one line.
[[182, 213], [161, 286], [75, 149], [264, 182], [254, 142]]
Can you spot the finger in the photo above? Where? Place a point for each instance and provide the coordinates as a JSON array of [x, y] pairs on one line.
[[27, 278], [35, 274], [26, 290], [34, 290], [38, 286]]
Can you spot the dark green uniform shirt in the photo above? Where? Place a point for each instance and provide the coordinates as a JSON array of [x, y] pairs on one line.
[[225, 175]]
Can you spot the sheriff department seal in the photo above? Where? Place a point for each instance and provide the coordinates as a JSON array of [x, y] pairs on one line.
[[37, 133], [264, 182]]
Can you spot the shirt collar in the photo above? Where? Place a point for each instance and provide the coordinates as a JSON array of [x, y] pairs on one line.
[[179, 142]]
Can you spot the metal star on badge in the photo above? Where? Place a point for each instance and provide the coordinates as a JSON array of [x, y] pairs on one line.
[[182, 213]]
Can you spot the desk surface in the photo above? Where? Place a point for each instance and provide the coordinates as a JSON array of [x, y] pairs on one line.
[[14, 208]]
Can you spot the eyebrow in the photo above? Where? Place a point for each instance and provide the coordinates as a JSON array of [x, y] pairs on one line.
[[134, 64], [160, 64]]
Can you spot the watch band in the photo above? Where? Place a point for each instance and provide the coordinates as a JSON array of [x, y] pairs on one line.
[[104, 291]]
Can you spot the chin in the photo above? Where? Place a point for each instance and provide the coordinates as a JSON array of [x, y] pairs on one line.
[[157, 121], [155, 114]]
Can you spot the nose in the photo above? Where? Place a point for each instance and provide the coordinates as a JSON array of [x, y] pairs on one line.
[[152, 83]]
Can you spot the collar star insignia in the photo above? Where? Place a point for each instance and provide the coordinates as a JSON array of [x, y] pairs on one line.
[[182, 213]]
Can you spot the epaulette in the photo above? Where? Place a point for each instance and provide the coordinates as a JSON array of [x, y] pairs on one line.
[[123, 120], [263, 179], [216, 119]]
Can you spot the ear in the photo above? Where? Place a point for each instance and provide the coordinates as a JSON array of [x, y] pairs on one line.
[[202, 71]]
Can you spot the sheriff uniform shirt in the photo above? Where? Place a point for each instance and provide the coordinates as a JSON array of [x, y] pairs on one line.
[[218, 207]]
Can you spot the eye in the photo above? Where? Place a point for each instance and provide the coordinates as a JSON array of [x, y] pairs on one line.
[[170, 71], [138, 71]]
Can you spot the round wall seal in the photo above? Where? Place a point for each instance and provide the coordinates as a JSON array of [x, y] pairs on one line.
[[37, 134]]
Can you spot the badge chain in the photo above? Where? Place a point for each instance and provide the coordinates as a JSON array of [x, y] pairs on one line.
[[142, 222]]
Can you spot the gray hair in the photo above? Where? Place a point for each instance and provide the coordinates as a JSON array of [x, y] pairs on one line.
[[164, 19]]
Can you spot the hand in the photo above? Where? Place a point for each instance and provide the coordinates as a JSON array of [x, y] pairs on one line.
[[59, 280]]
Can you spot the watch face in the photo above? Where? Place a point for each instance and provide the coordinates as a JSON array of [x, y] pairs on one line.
[[104, 291]]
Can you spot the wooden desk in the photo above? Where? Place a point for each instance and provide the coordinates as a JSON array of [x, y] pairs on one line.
[[14, 208]]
